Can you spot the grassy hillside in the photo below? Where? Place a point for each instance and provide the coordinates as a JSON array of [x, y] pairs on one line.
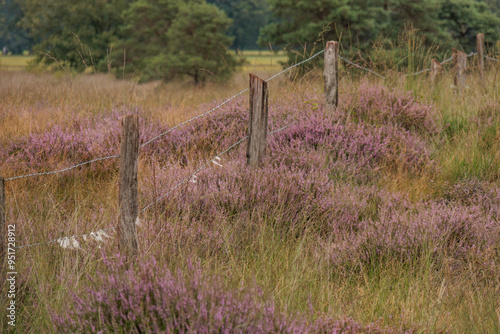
[[381, 215]]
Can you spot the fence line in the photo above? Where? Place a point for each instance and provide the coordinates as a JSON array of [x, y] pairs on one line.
[[63, 170], [186, 179], [361, 67], [161, 134], [222, 104], [428, 69], [289, 68], [192, 119], [410, 74], [70, 241]]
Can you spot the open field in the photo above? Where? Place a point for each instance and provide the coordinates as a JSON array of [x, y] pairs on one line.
[[382, 215], [255, 60], [14, 62]]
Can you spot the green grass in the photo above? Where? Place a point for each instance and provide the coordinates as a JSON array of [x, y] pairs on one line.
[[15, 62], [264, 60]]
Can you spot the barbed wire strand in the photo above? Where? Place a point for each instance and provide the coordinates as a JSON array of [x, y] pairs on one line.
[[63, 170], [217, 107], [163, 133], [361, 67], [490, 58], [192, 119], [417, 73], [428, 69], [225, 102], [289, 68], [446, 60], [178, 185], [186, 179], [191, 175]]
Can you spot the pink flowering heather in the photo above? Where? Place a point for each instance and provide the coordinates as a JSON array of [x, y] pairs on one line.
[[379, 105], [152, 300]]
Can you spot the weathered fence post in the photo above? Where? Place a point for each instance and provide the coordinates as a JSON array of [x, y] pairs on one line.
[[480, 54], [460, 60], [330, 74], [436, 69], [257, 136], [128, 187]]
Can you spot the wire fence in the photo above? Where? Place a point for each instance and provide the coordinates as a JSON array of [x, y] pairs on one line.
[[163, 133], [71, 242], [65, 169]]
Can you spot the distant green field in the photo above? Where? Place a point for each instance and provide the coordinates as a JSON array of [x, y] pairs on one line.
[[15, 62], [262, 59], [266, 60]]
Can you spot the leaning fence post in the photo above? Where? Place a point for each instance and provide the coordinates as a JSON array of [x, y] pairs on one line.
[[480, 54], [460, 59], [436, 69], [330, 73], [128, 187], [257, 136]]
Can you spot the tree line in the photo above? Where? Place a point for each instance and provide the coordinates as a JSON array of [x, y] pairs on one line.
[[166, 39]]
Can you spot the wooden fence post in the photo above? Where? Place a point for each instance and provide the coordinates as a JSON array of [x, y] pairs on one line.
[[436, 69], [480, 54], [330, 74], [128, 187], [460, 60], [257, 136]]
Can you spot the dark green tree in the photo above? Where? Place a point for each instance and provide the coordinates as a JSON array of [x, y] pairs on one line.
[[248, 16], [357, 24], [171, 38], [76, 33], [12, 35], [464, 19]]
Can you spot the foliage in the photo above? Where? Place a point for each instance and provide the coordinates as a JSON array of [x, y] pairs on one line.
[[12, 35], [158, 40], [464, 19], [357, 24], [78, 34], [307, 22], [172, 38], [247, 19]]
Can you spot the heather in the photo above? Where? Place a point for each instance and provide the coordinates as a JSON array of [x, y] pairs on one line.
[[153, 300], [378, 216]]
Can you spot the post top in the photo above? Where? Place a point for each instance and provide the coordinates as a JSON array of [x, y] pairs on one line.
[[330, 44]]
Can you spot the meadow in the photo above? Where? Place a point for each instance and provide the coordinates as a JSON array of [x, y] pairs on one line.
[[379, 216]]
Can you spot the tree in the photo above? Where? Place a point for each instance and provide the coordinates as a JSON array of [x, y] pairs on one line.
[[464, 19], [76, 33], [171, 38], [12, 35], [357, 23], [248, 17]]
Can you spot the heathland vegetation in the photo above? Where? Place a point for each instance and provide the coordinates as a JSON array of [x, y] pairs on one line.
[[380, 215]]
